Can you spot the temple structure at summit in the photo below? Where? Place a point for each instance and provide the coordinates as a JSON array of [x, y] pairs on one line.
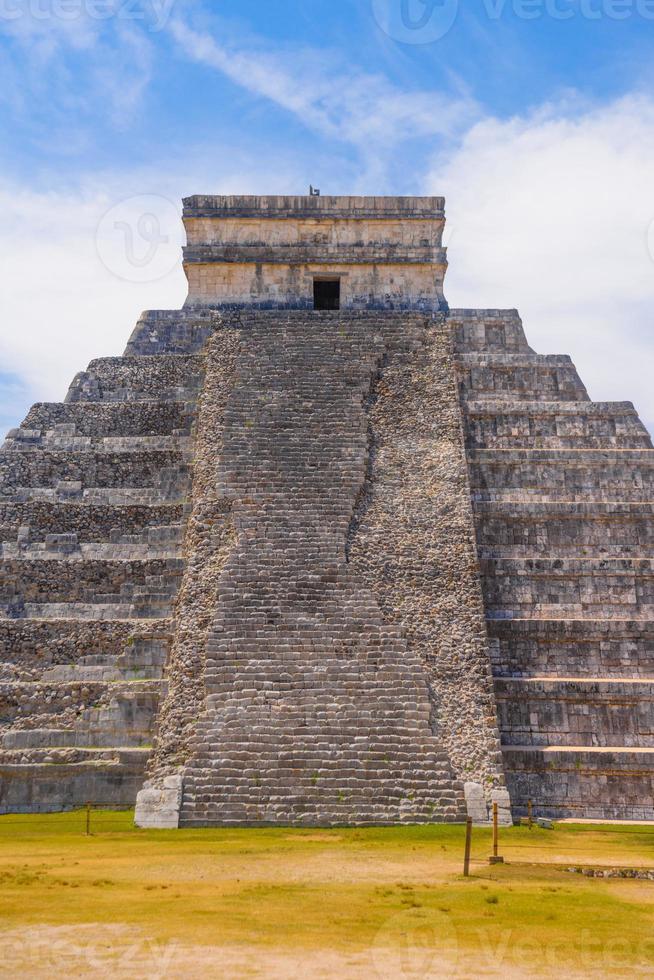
[[319, 550]]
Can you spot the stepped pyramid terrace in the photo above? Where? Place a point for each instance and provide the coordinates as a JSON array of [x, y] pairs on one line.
[[320, 550]]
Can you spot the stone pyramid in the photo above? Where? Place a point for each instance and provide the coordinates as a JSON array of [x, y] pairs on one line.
[[326, 555]]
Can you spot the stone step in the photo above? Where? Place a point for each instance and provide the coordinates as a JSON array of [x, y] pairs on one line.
[[102, 497], [566, 475], [110, 673], [576, 529], [578, 781], [58, 755], [163, 377], [495, 377], [32, 647], [155, 606], [321, 797], [465, 359], [353, 815], [593, 712], [307, 319], [49, 788], [73, 579], [568, 588], [577, 647], [488, 330], [166, 332], [90, 522], [149, 548], [61, 440], [186, 331], [110, 711], [96, 419], [544, 425], [57, 545], [94, 470]]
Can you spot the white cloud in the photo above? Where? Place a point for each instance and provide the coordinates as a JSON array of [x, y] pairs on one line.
[[76, 64], [40, 27], [550, 213], [365, 110], [60, 305]]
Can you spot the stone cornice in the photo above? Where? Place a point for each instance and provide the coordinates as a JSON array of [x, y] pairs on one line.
[[345, 208]]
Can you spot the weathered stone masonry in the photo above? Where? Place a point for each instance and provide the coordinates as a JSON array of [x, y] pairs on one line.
[[210, 537], [250, 542], [562, 490], [319, 708], [92, 507]]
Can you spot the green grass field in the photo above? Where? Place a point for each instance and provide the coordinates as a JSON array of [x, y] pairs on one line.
[[370, 903]]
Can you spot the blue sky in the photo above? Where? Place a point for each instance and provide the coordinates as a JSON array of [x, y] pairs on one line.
[[535, 118]]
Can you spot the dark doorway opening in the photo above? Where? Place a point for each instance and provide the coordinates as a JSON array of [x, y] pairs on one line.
[[327, 294]]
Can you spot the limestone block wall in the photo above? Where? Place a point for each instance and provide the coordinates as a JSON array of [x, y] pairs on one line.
[[562, 492], [93, 504], [264, 252], [376, 286]]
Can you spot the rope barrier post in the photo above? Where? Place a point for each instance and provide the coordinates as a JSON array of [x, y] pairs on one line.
[[495, 859], [530, 813], [88, 819], [466, 859]]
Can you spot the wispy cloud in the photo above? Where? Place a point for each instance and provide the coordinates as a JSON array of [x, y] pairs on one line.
[[57, 69], [550, 213], [60, 303], [363, 109]]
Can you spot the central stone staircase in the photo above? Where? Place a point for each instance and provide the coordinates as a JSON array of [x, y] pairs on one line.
[[346, 673]]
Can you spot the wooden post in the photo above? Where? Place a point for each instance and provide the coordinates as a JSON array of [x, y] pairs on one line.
[[466, 859], [495, 859], [88, 819], [530, 811]]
